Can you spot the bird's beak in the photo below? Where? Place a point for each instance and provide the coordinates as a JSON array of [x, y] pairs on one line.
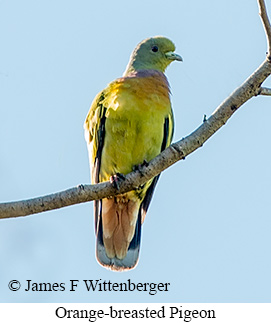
[[173, 56]]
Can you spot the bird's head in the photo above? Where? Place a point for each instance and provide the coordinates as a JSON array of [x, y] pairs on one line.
[[152, 53]]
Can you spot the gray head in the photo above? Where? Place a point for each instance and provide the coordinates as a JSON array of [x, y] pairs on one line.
[[152, 53]]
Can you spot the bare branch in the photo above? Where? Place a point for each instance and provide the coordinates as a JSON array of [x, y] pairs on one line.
[[171, 155], [177, 151], [266, 24]]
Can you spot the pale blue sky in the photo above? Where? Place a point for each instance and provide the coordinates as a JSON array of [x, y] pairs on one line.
[[207, 231]]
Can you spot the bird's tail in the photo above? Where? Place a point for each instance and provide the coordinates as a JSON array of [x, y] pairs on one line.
[[118, 233]]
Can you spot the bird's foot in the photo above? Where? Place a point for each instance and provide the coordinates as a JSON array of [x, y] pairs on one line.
[[116, 179], [140, 166]]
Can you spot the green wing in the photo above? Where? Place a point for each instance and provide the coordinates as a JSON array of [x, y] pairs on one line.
[[95, 133], [168, 134]]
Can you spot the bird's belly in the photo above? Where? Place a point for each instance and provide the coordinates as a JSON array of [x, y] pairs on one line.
[[130, 140]]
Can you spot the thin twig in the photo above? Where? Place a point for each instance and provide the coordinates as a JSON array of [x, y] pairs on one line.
[[265, 91], [266, 24]]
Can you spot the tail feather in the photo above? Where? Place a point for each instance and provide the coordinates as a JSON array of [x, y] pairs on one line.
[[118, 235]]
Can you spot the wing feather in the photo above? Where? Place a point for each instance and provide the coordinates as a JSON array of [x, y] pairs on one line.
[[95, 133], [168, 134]]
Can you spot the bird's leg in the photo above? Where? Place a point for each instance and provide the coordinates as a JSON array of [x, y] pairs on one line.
[[116, 179]]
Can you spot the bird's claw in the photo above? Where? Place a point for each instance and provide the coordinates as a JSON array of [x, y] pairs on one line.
[[140, 166], [145, 163], [80, 187]]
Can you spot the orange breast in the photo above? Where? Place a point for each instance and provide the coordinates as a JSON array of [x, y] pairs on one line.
[[145, 85]]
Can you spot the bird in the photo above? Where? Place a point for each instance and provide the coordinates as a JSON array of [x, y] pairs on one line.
[[129, 123]]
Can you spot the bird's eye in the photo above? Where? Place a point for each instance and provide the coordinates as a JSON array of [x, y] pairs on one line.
[[154, 49]]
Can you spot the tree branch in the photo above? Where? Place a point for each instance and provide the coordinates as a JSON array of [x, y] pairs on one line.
[[266, 24], [177, 151]]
